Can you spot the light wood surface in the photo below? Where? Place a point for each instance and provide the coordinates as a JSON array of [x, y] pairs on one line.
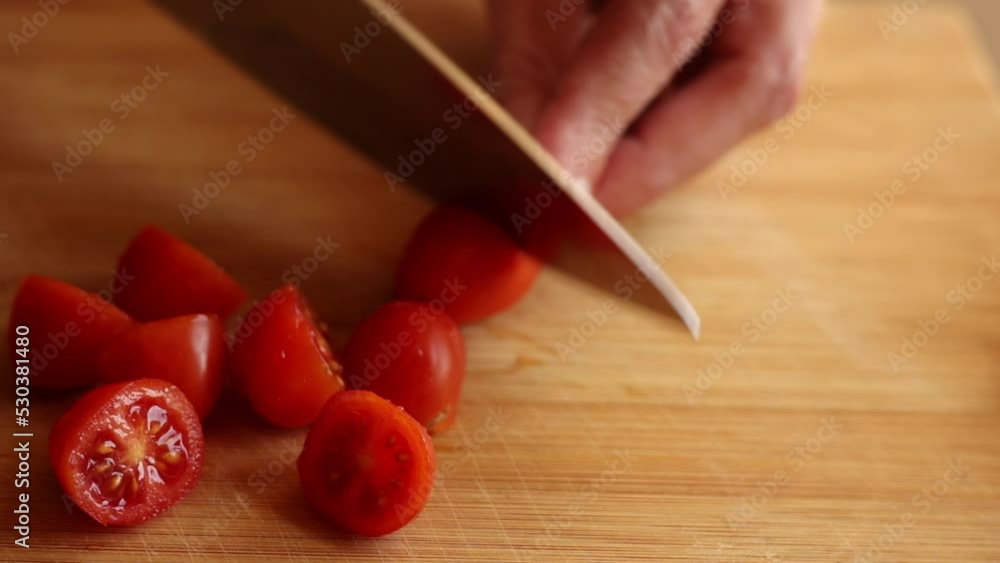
[[526, 484]]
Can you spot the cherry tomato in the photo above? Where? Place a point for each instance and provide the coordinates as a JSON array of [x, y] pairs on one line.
[[170, 278], [126, 452], [366, 464], [189, 352], [465, 262], [282, 361], [415, 358], [67, 326]]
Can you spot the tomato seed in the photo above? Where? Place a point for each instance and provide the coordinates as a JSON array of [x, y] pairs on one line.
[[402, 457], [114, 483], [105, 447], [172, 457]]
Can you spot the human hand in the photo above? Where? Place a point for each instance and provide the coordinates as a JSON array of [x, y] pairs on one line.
[[635, 96]]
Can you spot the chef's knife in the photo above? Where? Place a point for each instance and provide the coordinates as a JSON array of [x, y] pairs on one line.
[[369, 75]]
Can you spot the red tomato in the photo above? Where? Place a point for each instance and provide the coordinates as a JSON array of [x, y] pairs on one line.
[[411, 356], [465, 262], [366, 464], [282, 362], [67, 326], [170, 279], [126, 452], [189, 352]]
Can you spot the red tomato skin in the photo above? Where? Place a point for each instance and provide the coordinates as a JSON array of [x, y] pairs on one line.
[[424, 357], [68, 329], [459, 258], [282, 362], [189, 352], [95, 411], [170, 278], [344, 510]]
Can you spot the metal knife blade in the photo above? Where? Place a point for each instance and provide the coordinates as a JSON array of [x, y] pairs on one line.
[[366, 73]]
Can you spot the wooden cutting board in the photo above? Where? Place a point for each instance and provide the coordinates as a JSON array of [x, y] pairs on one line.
[[786, 434]]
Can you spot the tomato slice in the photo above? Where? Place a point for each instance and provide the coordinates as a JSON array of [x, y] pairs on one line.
[[407, 353], [366, 464], [466, 263], [170, 278], [126, 452], [282, 361], [189, 352], [68, 328]]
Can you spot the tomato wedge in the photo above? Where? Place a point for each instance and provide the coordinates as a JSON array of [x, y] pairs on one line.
[[463, 261], [282, 362], [69, 327], [171, 278], [189, 352], [406, 353], [126, 452], [366, 464]]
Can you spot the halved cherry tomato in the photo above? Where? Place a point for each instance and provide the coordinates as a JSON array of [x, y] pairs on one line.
[[366, 464], [171, 278], [69, 327], [465, 262], [282, 361], [189, 352], [126, 452], [412, 355]]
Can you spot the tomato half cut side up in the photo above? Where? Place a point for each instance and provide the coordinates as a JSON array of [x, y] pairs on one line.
[[189, 352], [366, 464], [465, 262], [68, 326], [166, 277], [126, 452], [282, 362]]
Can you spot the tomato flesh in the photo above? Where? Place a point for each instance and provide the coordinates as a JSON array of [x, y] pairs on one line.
[[189, 352], [457, 258], [366, 464], [68, 327], [411, 356], [170, 278], [282, 362], [126, 452]]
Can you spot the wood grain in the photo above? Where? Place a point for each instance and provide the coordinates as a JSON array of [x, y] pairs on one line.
[[596, 454]]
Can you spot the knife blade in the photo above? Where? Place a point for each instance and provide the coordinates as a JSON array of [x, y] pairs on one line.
[[367, 74]]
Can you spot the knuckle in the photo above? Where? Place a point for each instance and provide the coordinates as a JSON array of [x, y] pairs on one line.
[[782, 81]]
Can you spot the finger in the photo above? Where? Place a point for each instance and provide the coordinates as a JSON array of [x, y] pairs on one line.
[[532, 41], [753, 84], [627, 58]]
